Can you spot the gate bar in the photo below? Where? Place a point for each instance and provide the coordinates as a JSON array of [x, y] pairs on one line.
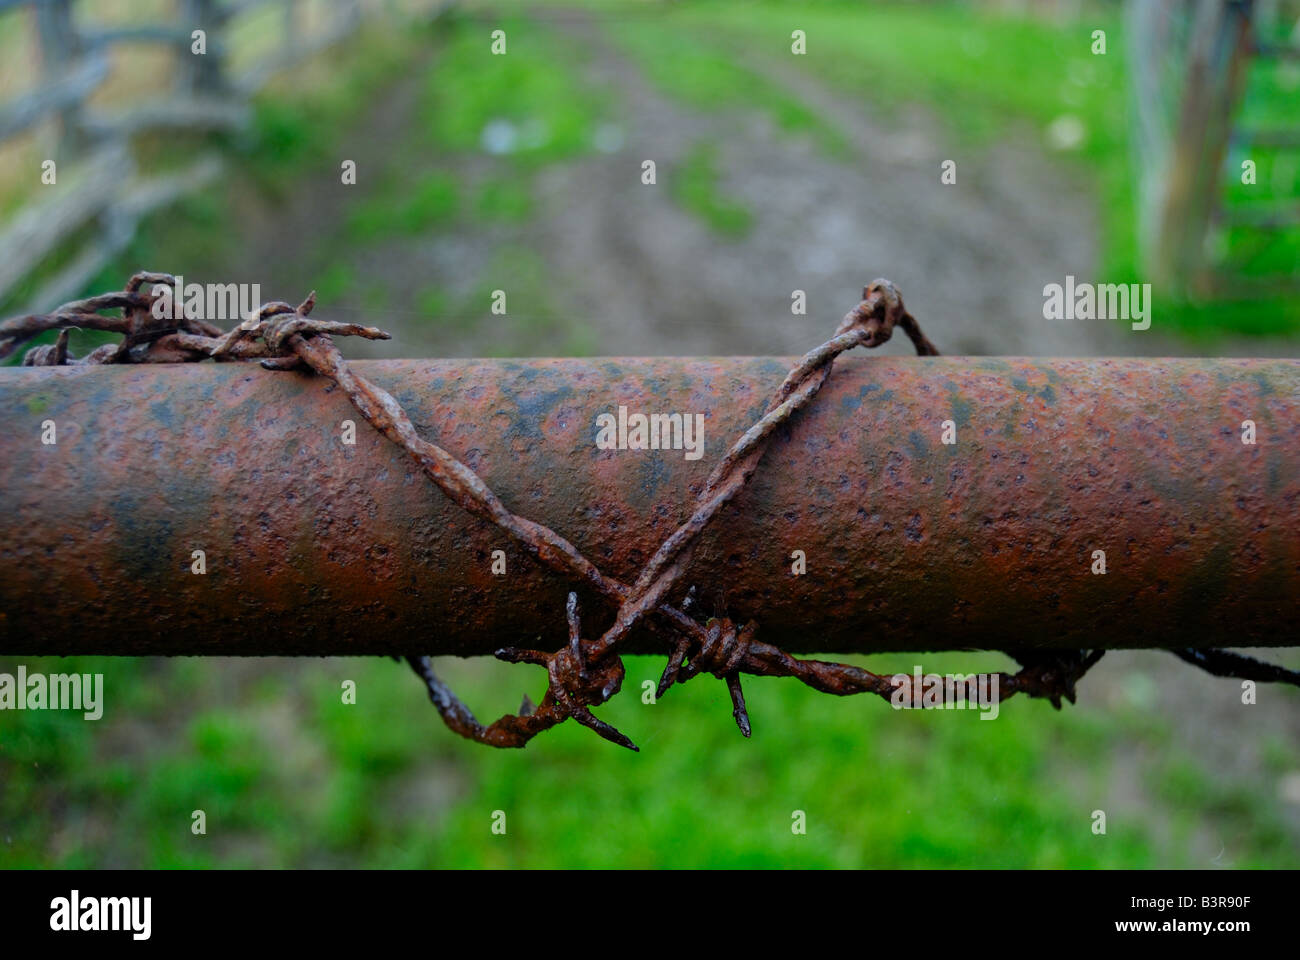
[[312, 546]]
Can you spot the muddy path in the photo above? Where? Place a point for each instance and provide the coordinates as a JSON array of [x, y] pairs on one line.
[[637, 274], [660, 282], [642, 275]]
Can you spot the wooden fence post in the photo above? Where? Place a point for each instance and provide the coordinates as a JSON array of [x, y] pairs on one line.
[[202, 75], [292, 22], [1219, 48], [60, 51]]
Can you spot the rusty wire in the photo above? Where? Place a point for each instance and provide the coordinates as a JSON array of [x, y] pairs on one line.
[[584, 672]]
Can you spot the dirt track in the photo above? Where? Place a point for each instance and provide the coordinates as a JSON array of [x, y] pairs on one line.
[[642, 275], [659, 282]]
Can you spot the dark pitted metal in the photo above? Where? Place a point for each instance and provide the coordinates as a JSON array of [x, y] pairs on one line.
[[314, 547]]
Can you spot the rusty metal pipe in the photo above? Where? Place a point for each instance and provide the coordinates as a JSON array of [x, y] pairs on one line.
[[315, 547]]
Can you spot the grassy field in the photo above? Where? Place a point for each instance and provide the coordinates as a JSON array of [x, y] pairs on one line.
[[290, 775], [287, 774], [987, 76]]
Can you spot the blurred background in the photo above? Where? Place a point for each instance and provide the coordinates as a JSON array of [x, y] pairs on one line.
[[775, 172]]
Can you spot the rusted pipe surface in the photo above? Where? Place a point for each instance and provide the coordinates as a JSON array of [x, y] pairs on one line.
[[316, 547]]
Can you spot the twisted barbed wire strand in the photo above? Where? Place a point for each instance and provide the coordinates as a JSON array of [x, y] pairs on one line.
[[583, 673]]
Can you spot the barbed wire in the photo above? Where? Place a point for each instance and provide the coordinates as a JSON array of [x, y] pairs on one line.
[[585, 672]]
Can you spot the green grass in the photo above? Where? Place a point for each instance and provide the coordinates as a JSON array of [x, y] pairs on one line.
[[530, 104], [698, 68], [696, 187], [288, 774], [533, 325], [504, 199], [432, 301], [335, 281], [295, 123], [409, 210]]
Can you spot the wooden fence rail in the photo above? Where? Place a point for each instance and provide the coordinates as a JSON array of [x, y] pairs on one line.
[[101, 195]]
